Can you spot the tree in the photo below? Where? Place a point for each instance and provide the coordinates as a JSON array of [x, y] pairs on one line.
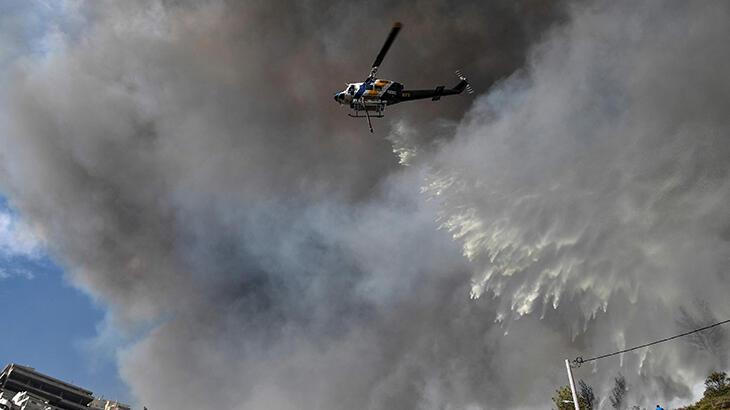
[[586, 398], [716, 384], [618, 392], [717, 393], [563, 398], [711, 341]]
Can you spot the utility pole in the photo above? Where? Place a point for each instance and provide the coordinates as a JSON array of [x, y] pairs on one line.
[[572, 384]]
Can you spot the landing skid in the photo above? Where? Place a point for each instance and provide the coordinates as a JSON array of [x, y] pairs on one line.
[[378, 113], [357, 115]]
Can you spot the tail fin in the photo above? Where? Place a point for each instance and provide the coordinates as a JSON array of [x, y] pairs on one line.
[[459, 88], [463, 84]]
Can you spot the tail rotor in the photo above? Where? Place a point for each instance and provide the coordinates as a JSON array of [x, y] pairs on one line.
[[462, 77]]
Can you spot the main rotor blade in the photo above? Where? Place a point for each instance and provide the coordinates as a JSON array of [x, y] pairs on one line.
[[386, 46]]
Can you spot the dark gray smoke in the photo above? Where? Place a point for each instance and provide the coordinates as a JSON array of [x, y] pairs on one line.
[[187, 165]]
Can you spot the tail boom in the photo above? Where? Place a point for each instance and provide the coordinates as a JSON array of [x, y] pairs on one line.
[[434, 94]]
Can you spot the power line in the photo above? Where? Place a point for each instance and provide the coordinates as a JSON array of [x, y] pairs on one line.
[[579, 360]]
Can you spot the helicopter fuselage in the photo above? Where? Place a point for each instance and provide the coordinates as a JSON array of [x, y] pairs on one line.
[[370, 92]]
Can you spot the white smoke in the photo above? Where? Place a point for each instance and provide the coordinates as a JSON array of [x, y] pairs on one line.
[[17, 238], [595, 183]]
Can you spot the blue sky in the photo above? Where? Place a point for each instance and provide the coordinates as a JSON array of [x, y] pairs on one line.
[[48, 323]]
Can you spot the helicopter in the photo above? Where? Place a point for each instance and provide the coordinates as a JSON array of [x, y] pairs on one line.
[[374, 94]]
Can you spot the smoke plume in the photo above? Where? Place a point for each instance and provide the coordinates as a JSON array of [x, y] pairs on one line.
[[187, 166]]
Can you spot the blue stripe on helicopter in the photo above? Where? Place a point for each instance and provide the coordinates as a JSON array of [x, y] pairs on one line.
[[363, 86]]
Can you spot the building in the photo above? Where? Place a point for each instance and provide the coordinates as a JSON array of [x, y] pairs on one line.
[[24, 388], [16, 378], [102, 404], [29, 401]]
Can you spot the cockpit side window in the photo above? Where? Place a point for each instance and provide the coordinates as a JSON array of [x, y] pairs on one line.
[[351, 90]]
